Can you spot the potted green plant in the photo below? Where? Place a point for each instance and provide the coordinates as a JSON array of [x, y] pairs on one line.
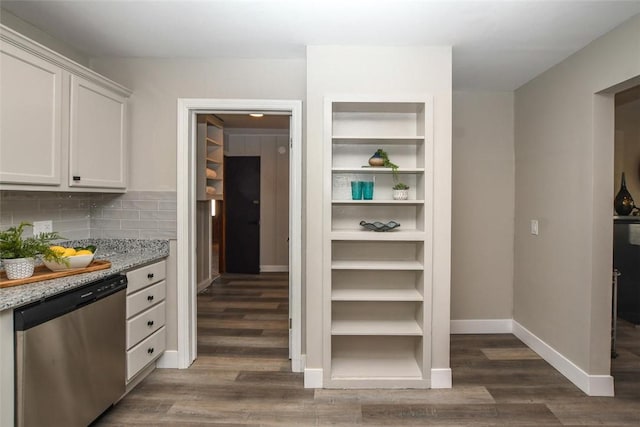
[[400, 191], [18, 253], [381, 158]]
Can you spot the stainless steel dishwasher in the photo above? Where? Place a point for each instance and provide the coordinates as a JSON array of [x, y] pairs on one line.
[[70, 355]]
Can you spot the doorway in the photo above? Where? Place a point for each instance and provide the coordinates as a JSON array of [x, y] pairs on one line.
[[186, 295], [625, 351]]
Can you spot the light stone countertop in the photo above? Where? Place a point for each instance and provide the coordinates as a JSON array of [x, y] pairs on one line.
[[124, 254]]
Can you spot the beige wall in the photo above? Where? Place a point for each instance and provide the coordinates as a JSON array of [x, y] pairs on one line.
[[483, 206], [379, 71], [564, 175], [274, 189], [157, 84]]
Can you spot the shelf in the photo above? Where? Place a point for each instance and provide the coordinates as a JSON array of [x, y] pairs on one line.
[[398, 234], [377, 281], [392, 107], [375, 368], [376, 327], [376, 295], [368, 140], [209, 158], [369, 169], [214, 142], [377, 265], [378, 202]]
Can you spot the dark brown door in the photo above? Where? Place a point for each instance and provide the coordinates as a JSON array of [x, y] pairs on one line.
[[242, 215]]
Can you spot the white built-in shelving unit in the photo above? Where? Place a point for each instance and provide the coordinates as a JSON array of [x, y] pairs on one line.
[[377, 287]]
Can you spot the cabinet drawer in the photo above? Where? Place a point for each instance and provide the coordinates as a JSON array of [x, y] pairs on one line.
[[145, 352], [145, 276], [145, 298], [144, 324]]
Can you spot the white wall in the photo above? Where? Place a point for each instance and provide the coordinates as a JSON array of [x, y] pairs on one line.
[[483, 206], [381, 71], [564, 176], [157, 84], [274, 189]]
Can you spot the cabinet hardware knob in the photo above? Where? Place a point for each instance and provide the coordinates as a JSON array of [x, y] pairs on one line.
[[76, 178], [150, 276], [150, 298], [150, 323], [150, 350]]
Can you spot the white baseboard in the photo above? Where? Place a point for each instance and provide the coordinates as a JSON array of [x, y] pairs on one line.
[[482, 326], [313, 378], [298, 365], [441, 378], [169, 359], [592, 385], [274, 268]]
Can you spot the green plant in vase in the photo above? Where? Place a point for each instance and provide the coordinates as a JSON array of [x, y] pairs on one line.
[[18, 253]]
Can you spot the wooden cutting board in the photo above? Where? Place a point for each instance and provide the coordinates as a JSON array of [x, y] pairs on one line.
[[41, 273]]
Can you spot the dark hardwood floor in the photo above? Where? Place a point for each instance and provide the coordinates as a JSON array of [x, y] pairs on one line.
[[242, 378]]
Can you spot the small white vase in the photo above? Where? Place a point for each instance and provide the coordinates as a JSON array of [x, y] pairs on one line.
[[19, 268], [400, 194]]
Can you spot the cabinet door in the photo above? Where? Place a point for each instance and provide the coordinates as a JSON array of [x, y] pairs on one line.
[[97, 136], [30, 130]]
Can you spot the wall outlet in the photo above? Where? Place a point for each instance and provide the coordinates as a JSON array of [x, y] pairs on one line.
[[40, 227], [534, 227]]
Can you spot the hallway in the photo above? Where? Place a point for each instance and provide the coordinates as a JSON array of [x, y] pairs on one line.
[[242, 378]]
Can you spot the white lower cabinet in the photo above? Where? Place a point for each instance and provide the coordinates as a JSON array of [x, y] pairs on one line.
[[146, 317], [145, 352]]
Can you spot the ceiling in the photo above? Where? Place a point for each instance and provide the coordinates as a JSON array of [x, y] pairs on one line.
[[497, 45]]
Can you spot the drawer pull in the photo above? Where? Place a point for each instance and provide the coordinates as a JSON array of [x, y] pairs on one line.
[[150, 350], [150, 298], [150, 323], [150, 276]]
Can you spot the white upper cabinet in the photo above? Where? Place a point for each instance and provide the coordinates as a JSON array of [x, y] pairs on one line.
[[63, 127], [30, 123], [97, 136]]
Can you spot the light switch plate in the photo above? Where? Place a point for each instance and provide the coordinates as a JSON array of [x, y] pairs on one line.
[[534, 227], [40, 227]]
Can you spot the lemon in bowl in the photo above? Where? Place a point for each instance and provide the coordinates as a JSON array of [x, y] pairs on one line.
[[75, 258]]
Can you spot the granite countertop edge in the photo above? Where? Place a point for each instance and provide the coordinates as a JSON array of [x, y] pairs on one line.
[[124, 254]]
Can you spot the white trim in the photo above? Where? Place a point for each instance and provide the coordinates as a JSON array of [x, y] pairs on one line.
[[298, 363], [169, 359], [185, 154], [482, 326], [592, 385], [274, 268], [313, 378], [441, 378]]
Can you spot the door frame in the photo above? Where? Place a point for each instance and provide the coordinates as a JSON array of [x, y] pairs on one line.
[[186, 230]]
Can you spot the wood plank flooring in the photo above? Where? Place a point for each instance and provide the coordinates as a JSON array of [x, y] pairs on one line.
[[242, 378]]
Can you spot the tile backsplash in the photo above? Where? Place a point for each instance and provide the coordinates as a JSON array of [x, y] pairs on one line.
[[133, 215]]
